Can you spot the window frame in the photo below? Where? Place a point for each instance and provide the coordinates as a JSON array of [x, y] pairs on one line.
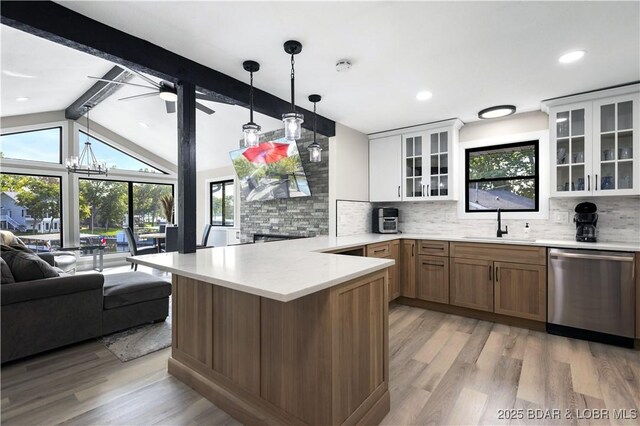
[[223, 182], [60, 199], [130, 209], [498, 146], [31, 129]]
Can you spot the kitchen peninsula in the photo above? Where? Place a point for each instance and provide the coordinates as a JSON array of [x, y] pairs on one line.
[[279, 334]]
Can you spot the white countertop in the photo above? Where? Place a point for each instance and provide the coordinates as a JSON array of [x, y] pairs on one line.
[[287, 270]]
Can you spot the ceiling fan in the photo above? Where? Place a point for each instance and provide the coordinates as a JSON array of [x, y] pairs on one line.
[[167, 92]]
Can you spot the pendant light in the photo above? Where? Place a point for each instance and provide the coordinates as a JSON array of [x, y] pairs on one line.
[[315, 150], [87, 163], [251, 130], [292, 120]]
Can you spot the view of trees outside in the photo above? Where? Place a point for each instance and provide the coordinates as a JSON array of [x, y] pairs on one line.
[[502, 178], [222, 206], [31, 209], [104, 207], [104, 211], [147, 210]]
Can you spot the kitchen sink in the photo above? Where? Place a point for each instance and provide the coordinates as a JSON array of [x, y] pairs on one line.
[[496, 239]]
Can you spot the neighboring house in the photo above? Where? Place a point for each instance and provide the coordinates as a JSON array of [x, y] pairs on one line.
[[13, 216]]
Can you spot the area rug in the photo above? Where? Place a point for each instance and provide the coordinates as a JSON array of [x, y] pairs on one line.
[[139, 341]]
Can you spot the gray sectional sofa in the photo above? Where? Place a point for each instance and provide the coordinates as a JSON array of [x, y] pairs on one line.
[[42, 314]]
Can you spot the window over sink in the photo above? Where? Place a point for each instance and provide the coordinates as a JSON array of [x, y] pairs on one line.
[[504, 177]]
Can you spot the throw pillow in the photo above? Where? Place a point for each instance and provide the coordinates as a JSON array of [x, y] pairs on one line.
[[8, 239], [26, 266], [7, 276]]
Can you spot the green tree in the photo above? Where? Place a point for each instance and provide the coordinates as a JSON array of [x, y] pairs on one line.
[[40, 196], [509, 162], [102, 203]]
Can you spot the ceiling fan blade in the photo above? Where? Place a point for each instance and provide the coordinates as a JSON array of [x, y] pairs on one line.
[[171, 107], [144, 95], [120, 82], [204, 108], [209, 98], [144, 77]]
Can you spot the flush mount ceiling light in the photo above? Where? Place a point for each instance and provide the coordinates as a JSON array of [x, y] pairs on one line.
[[87, 163], [424, 95], [292, 120], [497, 111], [251, 130], [315, 150], [22, 98], [572, 56]]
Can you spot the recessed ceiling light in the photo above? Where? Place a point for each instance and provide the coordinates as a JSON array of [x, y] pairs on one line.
[[497, 111], [142, 124], [22, 98], [424, 95], [572, 56]]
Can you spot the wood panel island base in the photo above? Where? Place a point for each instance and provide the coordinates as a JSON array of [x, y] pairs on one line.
[[322, 359]]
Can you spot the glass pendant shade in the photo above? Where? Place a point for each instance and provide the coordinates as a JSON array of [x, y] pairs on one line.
[[251, 134], [292, 125], [315, 152]]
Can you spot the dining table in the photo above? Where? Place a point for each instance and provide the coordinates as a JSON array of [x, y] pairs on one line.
[[156, 236]]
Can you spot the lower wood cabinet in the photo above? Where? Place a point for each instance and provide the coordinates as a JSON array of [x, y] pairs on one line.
[[432, 281], [520, 290], [408, 268], [389, 250], [471, 284], [637, 295]]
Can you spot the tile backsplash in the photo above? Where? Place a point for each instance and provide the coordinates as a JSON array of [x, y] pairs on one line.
[[618, 220]]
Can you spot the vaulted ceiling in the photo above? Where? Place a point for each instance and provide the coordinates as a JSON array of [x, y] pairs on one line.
[[470, 55]]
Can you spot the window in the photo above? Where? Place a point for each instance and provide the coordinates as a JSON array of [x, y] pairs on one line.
[[114, 158], [107, 206], [222, 203], [41, 196], [502, 177], [34, 145]]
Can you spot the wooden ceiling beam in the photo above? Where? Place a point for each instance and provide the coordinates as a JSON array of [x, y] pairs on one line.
[[97, 93]]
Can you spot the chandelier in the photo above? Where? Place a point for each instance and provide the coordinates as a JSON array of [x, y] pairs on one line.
[[87, 163]]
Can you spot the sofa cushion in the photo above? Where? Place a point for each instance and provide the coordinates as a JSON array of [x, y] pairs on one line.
[[128, 288], [26, 266], [7, 276]]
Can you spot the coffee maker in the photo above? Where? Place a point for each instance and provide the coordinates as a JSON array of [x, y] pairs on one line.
[[586, 220]]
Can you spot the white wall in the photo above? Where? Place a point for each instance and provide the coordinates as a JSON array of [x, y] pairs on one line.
[[518, 123], [348, 169]]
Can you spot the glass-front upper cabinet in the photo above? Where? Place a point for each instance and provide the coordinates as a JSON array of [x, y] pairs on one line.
[[571, 153], [428, 158], [616, 146], [594, 144]]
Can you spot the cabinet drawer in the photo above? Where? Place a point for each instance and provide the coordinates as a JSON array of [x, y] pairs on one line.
[[433, 248], [379, 250], [500, 252]]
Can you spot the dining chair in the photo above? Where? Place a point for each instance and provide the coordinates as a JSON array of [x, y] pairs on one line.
[[133, 247], [171, 239], [205, 236]]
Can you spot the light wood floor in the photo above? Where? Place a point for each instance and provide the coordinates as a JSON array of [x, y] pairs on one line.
[[444, 369]]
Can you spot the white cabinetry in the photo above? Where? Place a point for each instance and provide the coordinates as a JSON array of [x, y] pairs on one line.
[[594, 143], [385, 174], [416, 165]]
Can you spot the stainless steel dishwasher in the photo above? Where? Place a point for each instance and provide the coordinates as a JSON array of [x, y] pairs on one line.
[[591, 295]]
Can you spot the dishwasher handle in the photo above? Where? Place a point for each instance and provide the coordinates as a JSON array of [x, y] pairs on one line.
[[591, 257]]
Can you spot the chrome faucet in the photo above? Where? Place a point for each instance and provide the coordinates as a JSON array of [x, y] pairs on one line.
[[500, 232]]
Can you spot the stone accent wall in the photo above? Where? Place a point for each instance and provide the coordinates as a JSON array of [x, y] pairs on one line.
[[304, 216], [618, 220]]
